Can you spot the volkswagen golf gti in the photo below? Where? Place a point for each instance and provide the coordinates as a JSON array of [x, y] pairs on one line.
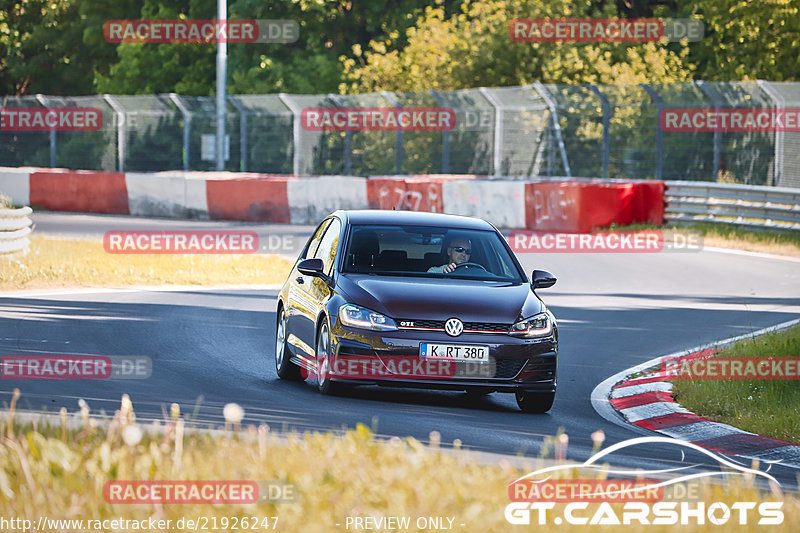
[[425, 300]]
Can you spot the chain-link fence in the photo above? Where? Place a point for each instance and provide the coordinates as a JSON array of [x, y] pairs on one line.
[[609, 131]]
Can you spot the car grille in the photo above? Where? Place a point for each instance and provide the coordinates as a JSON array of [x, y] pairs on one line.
[[482, 327], [508, 368]]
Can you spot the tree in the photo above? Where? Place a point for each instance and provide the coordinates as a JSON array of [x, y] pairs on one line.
[[473, 49]]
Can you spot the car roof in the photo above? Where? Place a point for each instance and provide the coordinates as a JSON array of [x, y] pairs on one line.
[[413, 218]]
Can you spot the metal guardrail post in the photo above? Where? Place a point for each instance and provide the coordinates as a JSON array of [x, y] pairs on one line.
[[445, 136], [187, 121], [121, 141], [242, 133], [709, 91], [606, 126], [545, 94], [777, 99], [42, 99], [295, 130], [348, 139], [497, 160], [398, 139], [659, 132]]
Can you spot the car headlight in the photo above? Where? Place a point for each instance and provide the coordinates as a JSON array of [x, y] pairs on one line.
[[536, 326], [359, 317]]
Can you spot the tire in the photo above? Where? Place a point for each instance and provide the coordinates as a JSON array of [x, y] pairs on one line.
[[283, 366], [537, 403], [323, 355]]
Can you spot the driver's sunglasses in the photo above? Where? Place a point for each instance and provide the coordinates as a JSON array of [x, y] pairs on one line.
[[462, 250]]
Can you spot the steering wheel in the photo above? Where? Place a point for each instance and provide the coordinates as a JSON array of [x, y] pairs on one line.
[[470, 265]]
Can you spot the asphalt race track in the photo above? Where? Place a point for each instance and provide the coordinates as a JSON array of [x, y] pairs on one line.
[[614, 311]]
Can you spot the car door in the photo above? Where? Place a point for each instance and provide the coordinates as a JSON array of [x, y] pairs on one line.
[[300, 304], [316, 291]]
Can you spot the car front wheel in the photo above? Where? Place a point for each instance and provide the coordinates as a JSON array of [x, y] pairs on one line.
[[323, 351], [532, 402], [283, 366]]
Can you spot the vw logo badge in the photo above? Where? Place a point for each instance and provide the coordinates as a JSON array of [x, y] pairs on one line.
[[453, 327]]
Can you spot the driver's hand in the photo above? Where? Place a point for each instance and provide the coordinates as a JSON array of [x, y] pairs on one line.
[[449, 268]]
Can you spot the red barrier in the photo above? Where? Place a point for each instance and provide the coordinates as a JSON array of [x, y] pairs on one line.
[[579, 207], [79, 190], [258, 199], [410, 193]]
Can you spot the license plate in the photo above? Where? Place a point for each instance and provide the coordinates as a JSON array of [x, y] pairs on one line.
[[454, 352]]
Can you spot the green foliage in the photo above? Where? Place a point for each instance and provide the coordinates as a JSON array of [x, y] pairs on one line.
[[473, 49], [747, 40]]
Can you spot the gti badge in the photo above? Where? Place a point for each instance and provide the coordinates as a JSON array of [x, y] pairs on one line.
[[453, 327]]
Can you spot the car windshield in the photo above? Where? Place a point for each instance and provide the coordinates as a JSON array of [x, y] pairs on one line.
[[426, 251]]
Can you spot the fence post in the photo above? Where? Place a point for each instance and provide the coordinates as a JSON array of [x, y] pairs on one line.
[[777, 99], [398, 139], [187, 121], [543, 92], [659, 132], [717, 101], [606, 126], [348, 139], [296, 111], [120, 130], [497, 165], [42, 99], [242, 132], [445, 136]]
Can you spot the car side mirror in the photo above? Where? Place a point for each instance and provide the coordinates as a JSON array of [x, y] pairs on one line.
[[541, 279], [312, 267]]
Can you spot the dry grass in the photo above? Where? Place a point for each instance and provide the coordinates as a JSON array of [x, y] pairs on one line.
[[59, 473], [84, 263]]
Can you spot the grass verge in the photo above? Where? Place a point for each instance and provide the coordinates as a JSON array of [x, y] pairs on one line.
[[728, 236], [53, 262], [60, 473], [766, 407]]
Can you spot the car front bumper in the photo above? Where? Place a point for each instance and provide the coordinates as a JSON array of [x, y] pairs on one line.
[[393, 358]]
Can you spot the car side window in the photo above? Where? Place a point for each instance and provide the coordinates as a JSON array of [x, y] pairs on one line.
[[328, 245], [313, 242]]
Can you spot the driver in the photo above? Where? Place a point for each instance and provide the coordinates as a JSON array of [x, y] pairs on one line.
[[458, 252]]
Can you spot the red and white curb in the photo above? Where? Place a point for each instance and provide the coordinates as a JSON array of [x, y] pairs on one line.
[[645, 403]]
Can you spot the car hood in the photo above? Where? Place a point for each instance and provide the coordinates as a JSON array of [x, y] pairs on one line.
[[440, 298]]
